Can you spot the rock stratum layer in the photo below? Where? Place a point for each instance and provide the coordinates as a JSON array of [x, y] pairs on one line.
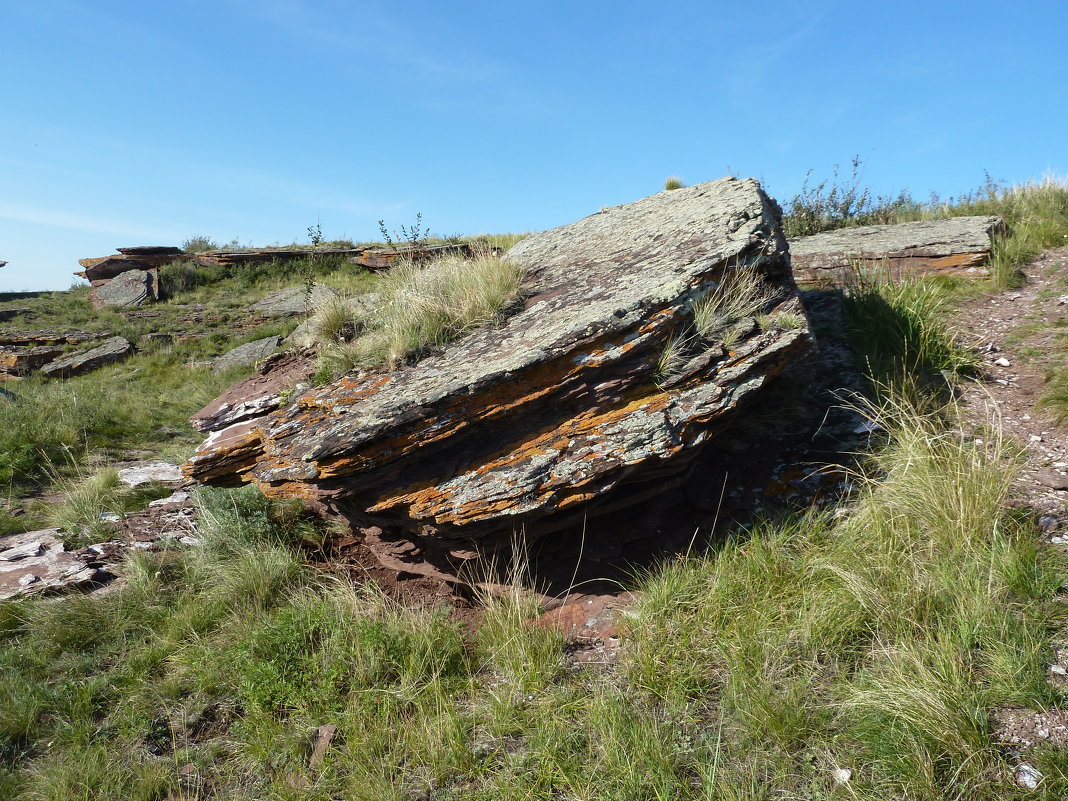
[[954, 246], [539, 419]]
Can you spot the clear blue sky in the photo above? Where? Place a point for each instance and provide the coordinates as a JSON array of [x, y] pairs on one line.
[[127, 123]]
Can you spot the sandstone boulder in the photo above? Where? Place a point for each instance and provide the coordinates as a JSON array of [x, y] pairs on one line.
[[537, 421], [109, 351], [956, 246], [129, 289], [22, 361], [248, 353]]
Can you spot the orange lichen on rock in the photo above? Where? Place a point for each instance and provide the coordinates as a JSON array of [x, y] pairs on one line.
[[545, 414]]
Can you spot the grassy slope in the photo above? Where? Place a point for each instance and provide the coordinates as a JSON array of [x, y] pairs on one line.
[[875, 638]]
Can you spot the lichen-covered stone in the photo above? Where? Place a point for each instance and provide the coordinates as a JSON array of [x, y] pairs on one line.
[[107, 352], [540, 417], [955, 246], [249, 353], [129, 289]]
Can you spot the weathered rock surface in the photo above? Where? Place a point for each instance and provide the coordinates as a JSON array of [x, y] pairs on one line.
[[140, 473], [283, 303], [33, 338], [131, 288], [22, 361], [956, 246], [258, 394], [247, 354], [536, 420], [37, 562], [111, 350]]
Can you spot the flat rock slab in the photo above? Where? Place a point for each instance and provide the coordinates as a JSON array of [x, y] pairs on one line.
[[110, 351], [537, 420], [284, 303], [130, 289], [248, 353], [33, 338], [37, 562], [955, 246], [141, 473]]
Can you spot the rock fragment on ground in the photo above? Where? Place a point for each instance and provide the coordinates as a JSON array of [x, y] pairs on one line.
[[110, 351], [36, 562], [248, 353], [536, 421], [23, 361], [954, 246], [139, 474]]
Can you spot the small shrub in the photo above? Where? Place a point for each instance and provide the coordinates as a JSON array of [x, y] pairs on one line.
[[199, 244], [830, 204], [672, 183]]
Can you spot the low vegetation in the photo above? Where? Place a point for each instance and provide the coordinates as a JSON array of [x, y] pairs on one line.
[[416, 307], [1036, 213], [854, 652]]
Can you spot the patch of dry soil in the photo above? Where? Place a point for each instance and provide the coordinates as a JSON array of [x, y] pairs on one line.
[[1015, 333]]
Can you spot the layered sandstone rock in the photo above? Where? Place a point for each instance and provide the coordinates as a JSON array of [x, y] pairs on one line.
[[956, 246], [109, 351], [538, 420]]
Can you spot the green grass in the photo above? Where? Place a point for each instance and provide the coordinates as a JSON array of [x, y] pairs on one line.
[[420, 307], [143, 402], [899, 333], [1036, 213], [878, 640]]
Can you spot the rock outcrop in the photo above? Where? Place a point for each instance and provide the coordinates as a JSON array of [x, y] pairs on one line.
[[955, 246], [109, 351], [373, 258], [98, 271], [23, 361], [129, 289], [536, 422]]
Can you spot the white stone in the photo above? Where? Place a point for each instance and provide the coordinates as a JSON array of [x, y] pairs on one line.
[[1002, 362], [147, 472], [842, 775], [1028, 777]]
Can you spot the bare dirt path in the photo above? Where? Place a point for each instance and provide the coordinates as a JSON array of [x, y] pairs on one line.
[[1021, 336]]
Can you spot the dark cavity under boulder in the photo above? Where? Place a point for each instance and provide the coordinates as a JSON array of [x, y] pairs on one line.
[[536, 422]]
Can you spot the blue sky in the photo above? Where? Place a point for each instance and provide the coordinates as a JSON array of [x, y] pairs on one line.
[[127, 123]]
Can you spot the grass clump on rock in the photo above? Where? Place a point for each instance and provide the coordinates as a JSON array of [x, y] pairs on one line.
[[416, 307]]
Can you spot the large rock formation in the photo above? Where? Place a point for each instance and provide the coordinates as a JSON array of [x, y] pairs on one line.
[[955, 246], [536, 421]]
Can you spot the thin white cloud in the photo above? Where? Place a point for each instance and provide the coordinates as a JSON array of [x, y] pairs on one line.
[[77, 222]]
